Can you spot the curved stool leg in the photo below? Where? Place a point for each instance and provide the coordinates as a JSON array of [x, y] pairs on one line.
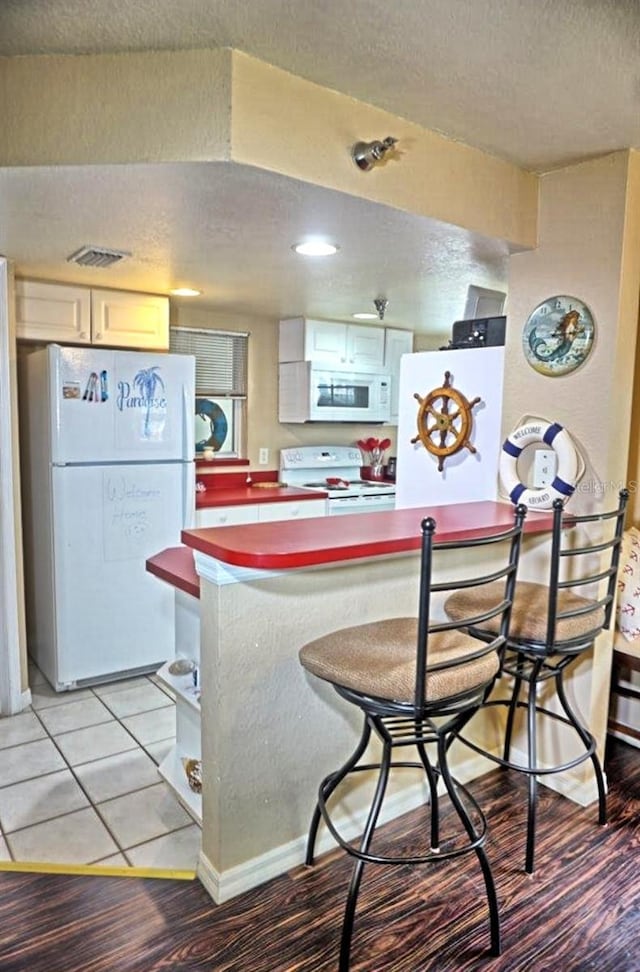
[[358, 868], [328, 786], [587, 740], [513, 705], [532, 757], [433, 796], [492, 898]]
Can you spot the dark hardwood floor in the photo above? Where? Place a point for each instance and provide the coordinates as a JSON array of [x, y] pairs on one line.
[[579, 912]]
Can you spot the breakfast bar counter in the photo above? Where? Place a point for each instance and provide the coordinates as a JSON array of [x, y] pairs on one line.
[[269, 732], [331, 540]]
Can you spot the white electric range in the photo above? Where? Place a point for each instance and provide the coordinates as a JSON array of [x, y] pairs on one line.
[[309, 467]]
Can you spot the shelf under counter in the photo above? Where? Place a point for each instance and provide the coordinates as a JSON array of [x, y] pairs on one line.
[[173, 773], [180, 685], [188, 743]]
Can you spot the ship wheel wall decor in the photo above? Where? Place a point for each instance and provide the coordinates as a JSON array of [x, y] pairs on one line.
[[445, 421]]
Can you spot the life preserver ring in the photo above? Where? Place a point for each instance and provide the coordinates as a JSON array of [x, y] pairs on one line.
[[564, 482], [213, 425]]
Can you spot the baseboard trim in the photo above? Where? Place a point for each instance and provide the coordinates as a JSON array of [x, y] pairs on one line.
[[95, 870], [227, 884]]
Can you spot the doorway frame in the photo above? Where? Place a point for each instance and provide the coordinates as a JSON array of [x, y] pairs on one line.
[[13, 698]]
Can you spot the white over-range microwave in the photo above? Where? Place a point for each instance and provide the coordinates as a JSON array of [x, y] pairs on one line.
[[312, 394]]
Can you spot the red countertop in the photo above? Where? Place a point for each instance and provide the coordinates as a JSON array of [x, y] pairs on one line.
[[244, 495], [175, 566], [324, 540]]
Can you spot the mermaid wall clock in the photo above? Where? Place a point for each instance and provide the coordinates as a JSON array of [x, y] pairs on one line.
[[558, 335]]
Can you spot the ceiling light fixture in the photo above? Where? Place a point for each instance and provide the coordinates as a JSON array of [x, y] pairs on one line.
[[367, 154], [185, 292], [315, 248], [381, 306], [365, 317]]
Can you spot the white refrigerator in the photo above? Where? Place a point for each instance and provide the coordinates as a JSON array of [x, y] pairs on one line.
[[107, 454]]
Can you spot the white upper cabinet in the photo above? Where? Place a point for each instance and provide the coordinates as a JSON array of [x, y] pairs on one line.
[[127, 320], [396, 343], [79, 315], [365, 348], [341, 347], [53, 312]]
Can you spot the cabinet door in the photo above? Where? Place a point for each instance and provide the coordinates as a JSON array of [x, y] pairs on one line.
[[294, 510], [326, 342], [52, 312], [396, 344], [365, 348], [226, 515], [129, 320]]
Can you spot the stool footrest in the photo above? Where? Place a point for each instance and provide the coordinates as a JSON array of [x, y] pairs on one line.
[[440, 854], [535, 770]]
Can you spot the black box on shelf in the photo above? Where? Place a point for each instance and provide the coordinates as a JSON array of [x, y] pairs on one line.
[[479, 332]]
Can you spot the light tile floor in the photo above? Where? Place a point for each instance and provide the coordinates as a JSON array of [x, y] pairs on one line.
[[79, 780]]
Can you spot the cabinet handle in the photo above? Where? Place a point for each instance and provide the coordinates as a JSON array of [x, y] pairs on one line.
[[98, 336], [295, 511], [83, 335], [223, 517]]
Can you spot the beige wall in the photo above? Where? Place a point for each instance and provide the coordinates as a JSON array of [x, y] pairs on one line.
[[157, 106], [629, 298], [433, 176], [210, 105], [589, 247]]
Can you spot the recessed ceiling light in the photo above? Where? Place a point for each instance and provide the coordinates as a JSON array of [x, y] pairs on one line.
[[315, 248], [365, 317], [185, 292]]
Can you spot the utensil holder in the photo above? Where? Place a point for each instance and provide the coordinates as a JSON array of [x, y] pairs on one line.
[[372, 473]]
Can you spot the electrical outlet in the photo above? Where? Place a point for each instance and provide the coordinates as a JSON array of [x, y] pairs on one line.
[[544, 468], [263, 457]]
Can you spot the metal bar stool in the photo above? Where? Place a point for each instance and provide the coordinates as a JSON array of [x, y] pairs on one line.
[[418, 681], [551, 625]]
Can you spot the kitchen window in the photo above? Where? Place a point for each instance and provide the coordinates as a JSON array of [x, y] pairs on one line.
[[221, 386]]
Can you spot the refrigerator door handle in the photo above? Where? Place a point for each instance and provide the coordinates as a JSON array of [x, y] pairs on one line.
[[189, 495], [188, 424]]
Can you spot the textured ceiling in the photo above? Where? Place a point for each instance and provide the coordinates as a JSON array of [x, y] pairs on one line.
[[229, 229], [538, 82]]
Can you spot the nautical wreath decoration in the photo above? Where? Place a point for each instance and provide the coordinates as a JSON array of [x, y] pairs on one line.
[[563, 485]]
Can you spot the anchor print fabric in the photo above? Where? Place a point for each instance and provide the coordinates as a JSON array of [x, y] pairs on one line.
[[628, 606]]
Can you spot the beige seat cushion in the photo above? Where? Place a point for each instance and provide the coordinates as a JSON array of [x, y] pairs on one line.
[[379, 660], [529, 613]]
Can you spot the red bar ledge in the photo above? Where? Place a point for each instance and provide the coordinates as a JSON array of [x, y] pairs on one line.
[[325, 540]]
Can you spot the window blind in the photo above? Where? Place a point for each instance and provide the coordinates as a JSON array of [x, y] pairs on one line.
[[221, 359]]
